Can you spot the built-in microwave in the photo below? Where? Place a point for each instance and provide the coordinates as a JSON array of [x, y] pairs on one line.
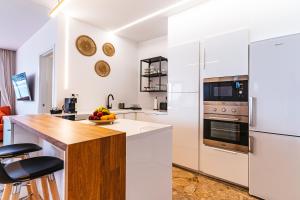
[[233, 88]]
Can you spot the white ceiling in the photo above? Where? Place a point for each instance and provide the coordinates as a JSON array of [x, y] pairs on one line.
[[113, 14], [22, 18], [19, 20]]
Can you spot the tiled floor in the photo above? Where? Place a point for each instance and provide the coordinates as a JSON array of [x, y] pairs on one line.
[[189, 186]]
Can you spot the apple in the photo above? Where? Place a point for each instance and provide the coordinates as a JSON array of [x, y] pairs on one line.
[[95, 113], [100, 114]]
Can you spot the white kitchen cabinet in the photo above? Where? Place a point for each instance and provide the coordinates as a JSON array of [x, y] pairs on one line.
[[120, 116], [274, 166], [183, 111], [226, 54], [227, 165], [131, 116], [183, 68], [146, 117]]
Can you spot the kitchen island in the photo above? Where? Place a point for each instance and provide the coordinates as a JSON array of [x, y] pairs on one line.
[[148, 157]]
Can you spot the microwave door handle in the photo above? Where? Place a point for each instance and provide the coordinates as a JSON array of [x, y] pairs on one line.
[[225, 119]]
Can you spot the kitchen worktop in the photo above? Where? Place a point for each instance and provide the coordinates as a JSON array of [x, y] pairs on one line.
[[61, 132], [132, 127]]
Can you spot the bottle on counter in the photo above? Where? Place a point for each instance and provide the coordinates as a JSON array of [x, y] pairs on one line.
[[155, 104]]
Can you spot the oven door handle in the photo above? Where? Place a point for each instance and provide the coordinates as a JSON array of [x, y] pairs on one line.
[[225, 119]]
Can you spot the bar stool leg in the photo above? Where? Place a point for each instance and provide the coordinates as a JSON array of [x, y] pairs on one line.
[[35, 192], [6, 192], [53, 187], [28, 186], [16, 191], [45, 188]]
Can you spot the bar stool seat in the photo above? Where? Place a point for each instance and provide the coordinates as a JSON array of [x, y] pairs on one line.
[[26, 171], [14, 150], [32, 168]]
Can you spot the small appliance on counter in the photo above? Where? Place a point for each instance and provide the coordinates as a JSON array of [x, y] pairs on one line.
[[163, 106], [70, 104], [132, 107], [55, 110], [121, 106], [155, 104]]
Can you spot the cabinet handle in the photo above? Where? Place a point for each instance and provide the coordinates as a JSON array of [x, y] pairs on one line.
[[225, 119], [204, 60], [251, 144], [223, 150], [251, 107]]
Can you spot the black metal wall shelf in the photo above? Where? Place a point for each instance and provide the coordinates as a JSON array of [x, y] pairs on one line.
[[158, 74]]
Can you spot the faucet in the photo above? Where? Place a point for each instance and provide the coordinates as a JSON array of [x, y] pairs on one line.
[[109, 106]]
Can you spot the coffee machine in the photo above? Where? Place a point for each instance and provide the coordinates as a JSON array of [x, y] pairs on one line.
[[70, 104]]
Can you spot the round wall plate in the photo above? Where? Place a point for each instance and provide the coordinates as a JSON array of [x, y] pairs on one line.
[[86, 45], [108, 49], [102, 68]]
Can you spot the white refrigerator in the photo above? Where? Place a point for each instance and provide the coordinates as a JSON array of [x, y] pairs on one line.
[[274, 91], [183, 103]]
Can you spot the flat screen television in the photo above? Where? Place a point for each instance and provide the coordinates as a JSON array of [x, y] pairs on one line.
[[21, 87]]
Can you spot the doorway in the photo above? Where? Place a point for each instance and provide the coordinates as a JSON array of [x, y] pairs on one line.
[[46, 71]]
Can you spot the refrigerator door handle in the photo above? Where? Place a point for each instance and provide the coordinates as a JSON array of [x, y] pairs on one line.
[[251, 107], [251, 144], [204, 60]]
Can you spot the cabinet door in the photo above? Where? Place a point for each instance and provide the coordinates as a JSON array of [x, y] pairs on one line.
[[183, 115], [226, 55], [131, 116], [183, 68], [274, 166], [227, 165]]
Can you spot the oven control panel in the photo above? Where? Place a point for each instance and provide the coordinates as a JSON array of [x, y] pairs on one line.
[[226, 108]]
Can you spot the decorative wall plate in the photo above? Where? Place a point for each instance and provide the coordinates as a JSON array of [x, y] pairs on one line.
[[108, 49], [102, 68], [86, 45]]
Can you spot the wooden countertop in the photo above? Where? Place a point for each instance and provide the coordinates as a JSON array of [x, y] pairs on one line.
[[61, 132], [95, 157]]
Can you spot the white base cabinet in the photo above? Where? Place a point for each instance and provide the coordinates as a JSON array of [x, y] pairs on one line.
[[227, 165]]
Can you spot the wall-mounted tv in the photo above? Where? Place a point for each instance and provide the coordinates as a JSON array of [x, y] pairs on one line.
[[21, 87]]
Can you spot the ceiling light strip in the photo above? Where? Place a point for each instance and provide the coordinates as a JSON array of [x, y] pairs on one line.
[[56, 9], [159, 12]]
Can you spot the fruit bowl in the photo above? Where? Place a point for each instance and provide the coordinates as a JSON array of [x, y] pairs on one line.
[[109, 121], [102, 116]]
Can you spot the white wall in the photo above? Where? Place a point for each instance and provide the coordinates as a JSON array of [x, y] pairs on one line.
[[28, 60], [264, 18], [82, 79], [74, 73], [148, 49]]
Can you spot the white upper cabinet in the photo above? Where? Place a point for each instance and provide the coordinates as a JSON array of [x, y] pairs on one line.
[[226, 54], [183, 67]]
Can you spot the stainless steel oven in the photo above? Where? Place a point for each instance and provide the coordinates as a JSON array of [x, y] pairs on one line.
[[226, 114]]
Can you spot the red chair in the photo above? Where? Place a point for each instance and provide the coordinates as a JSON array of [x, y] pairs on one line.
[[3, 112]]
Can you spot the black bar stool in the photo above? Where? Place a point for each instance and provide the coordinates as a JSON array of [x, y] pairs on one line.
[[15, 150], [16, 173], [20, 150]]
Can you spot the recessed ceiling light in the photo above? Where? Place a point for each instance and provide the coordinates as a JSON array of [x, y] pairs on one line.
[[159, 12], [60, 4]]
